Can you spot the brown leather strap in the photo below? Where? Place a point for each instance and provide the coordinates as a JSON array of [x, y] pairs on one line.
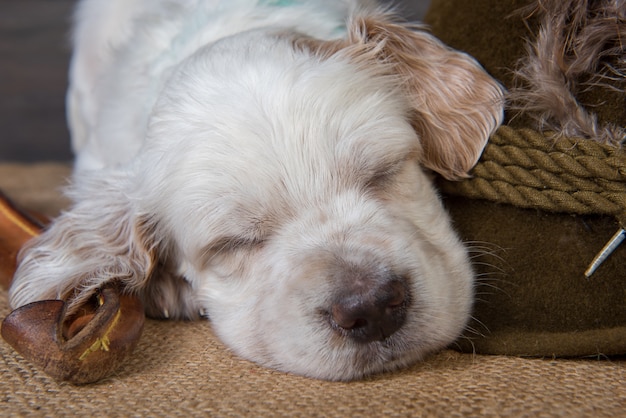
[[16, 227]]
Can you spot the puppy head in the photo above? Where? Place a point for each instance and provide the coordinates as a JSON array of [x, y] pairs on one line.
[[309, 232], [281, 184]]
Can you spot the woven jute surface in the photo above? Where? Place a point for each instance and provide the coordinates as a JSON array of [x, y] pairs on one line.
[[181, 369]]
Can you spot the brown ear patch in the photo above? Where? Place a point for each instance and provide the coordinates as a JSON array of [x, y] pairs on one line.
[[455, 104]]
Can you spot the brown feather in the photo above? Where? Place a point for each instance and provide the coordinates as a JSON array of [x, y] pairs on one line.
[[580, 45]]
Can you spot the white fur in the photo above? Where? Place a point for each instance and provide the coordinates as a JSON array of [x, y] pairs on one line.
[[233, 157]]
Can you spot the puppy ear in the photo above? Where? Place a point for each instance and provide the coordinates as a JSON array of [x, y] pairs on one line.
[[455, 104], [101, 239]]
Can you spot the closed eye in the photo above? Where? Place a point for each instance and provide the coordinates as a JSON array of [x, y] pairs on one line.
[[384, 176], [227, 245], [230, 243]]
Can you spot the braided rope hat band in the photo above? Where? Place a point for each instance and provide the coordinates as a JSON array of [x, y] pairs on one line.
[[531, 169]]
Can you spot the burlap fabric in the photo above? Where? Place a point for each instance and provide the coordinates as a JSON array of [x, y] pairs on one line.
[[181, 369]]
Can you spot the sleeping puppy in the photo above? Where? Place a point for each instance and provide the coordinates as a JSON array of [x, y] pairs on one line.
[[261, 163]]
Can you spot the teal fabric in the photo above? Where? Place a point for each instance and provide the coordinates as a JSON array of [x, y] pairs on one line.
[[279, 3]]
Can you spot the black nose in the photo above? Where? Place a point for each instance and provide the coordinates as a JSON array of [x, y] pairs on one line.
[[371, 312]]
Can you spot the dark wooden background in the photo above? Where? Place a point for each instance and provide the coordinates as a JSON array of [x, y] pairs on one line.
[[34, 55]]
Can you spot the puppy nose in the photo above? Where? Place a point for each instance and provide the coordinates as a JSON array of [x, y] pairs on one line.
[[371, 313]]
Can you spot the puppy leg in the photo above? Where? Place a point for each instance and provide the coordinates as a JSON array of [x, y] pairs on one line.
[[169, 296]]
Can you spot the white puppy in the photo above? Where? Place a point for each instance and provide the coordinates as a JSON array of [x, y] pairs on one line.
[[258, 162]]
